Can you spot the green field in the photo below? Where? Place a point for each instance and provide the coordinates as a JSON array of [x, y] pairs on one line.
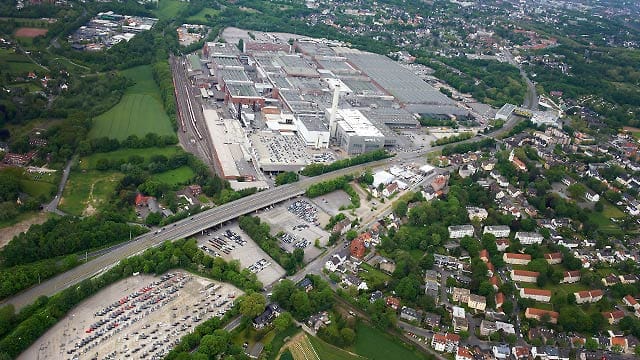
[[36, 188], [86, 191], [376, 345], [89, 162], [328, 351], [17, 64], [200, 17], [139, 112], [169, 9], [175, 177], [603, 219]]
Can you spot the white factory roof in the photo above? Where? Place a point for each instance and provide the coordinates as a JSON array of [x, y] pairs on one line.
[[352, 120], [219, 136], [426, 168]]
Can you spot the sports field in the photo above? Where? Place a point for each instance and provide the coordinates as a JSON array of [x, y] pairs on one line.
[[139, 112]]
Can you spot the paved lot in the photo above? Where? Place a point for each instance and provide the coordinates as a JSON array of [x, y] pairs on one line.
[[280, 219], [331, 202], [142, 317], [244, 250]]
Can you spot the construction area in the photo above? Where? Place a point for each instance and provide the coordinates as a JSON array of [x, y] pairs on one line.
[[139, 317]]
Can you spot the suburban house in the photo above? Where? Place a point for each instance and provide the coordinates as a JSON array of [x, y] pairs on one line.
[[516, 259], [547, 353], [341, 227], [529, 238], [535, 294], [460, 231], [520, 352], [630, 301], [460, 295], [410, 314], [477, 302], [588, 296], [445, 342], [501, 351], [393, 302], [357, 247], [553, 258], [591, 195], [478, 213], [538, 314], [463, 354], [502, 244], [571, 276], [334, 262], [619, 341], [352, 280], [270, 312], [432, 320], [524, 276], [460, 322], [613, 316], [499, 300], [499, 231]]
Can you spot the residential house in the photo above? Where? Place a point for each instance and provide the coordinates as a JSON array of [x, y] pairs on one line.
[[393, 302], [376, 295], [620, 342], [529, 238], [553, 258], [445, 342], [477, 213], [545, 353], [440, 182], [610, 280], [477, 302], [334, 263], [499, 300], [541, 333], [502, 244], [501, 351], [341, 227], [524, 276], [318, 320], [539, 314], [499, 231], [432, 320], [613, 316], [352, 280], [195, 189], [484, 255], [505, 327], [571, 277], [357, 247], [410, 314], [520, 353], [460, 231], [516, 259], [588, 296], [535, 294], [487, 327], [463, 354], [459, 322], [460, 295], [270, 312], [591, 195], [305, 284], [630, 301], [628, 278], [390, 189]]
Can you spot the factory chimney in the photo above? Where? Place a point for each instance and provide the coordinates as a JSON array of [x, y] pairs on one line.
[[334, 110]]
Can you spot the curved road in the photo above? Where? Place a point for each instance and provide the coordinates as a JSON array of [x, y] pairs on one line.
[[199, 222]]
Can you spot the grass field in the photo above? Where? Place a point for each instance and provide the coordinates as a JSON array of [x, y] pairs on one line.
[[168, 9], [17, 64], [139, 112], [603, 219], [36, 188], [89, 162], [86, 191], [278, 341], [328, 351], [200, 16], [175, 177], [376, 345]]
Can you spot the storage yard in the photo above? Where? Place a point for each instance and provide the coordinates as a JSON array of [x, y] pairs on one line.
[[136, 318]]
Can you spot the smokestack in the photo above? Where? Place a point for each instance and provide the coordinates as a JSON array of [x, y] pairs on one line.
[[334, 110]]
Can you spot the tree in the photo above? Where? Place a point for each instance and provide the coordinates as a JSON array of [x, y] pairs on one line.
[[283, 321], [576, 191], [348, 336], [591, 344], [408, 288], [252, 305], [351, 234], [401, 208]]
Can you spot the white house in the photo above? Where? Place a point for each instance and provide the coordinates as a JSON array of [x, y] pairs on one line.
[[460, 231], [529, 238], [498, 231]]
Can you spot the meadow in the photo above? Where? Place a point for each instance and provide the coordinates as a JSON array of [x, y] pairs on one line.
[[140, 111]]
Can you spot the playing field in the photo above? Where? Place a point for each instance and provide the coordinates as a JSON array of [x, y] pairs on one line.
[[139, 112], [29, 32]]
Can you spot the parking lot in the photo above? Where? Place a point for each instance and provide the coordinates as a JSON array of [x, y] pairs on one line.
[[231, 243], [141, 317], [301, 222]]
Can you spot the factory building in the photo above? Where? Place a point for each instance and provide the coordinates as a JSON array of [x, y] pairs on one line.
[[354, 133]]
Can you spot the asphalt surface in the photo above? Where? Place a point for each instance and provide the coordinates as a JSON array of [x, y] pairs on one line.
[[202, 221], [531, 98], [53, 205]]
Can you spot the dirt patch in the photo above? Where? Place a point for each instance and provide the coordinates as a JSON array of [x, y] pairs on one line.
[[28, 32], [10, 232]]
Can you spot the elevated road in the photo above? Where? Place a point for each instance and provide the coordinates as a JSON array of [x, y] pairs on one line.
[[199, 222]]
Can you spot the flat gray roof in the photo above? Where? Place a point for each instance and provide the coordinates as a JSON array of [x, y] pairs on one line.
[[243, 90], [313, 122], [233, 75], [402, 83]]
